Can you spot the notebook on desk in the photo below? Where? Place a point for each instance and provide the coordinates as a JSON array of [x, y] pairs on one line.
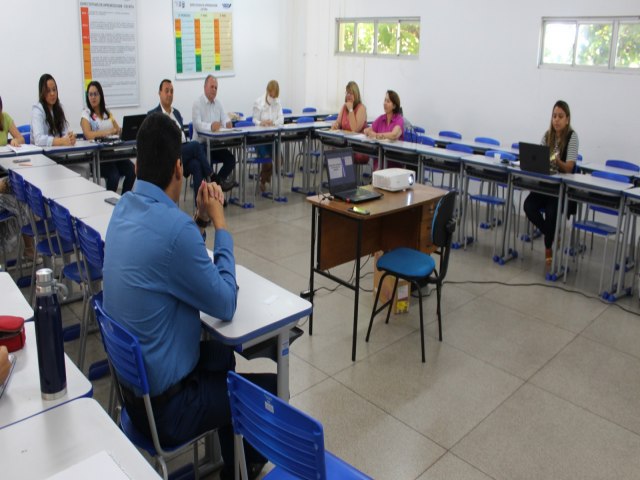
[[130, 126], [341, 173], [535, 158]]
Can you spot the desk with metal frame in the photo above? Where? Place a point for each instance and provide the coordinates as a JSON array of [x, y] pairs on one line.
[[84, 151], [257, 136], [227, 138], [114, 152], [23, 161], [339, 235]]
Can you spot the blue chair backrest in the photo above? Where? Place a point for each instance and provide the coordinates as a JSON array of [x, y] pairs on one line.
[[309, 110], [487, 140], [441, 233], [35, 200], [305, 120], [579, 157], [515, 145], [249, 119], [616, 177], [123, 350], [17, 186], [286, 111], [244, 123], [330, 118], [623, 164], [450, 134], [419, 129], [190, 130], [459, 148], [287, 437], [62, 221], [410, 135], [426, 141], [25, 130], [91, 244], [503, 155]]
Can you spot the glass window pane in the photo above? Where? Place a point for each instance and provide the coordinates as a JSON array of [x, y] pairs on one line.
[[558, 43], [387, 33], [594, 44], [410, 38], [365, 38], [628, 55], [346, 37]]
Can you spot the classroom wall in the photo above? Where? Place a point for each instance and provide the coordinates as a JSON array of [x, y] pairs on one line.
[[44, 36], [477, 72]]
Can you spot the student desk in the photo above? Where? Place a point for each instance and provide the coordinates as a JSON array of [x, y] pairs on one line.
[[401, 152], [90, 204], [254, 137], [398, 219], [22, 398], [12, 301], [264, 311], [51, 173], [632, 210], [69, 187], [589, 167], [114, 152], [305, 133], [58, 439], [227, 138], [478, 147], [318, 115], [23, 161], [82, 152], [7, 151], [99, 222], [601, 192]]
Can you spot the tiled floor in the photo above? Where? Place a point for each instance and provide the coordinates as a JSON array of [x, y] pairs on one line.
[[529, 382]]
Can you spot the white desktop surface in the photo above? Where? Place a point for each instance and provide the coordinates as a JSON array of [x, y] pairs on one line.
[[41, 175], [22, 162], [589, 182], [69, 187], [22, 398], [90, 204], [80, 146], [99, 223], [601, 167], [633, 193], [12, 302], [46, 444]]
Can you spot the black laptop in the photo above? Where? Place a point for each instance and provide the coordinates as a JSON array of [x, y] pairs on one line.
[[131, 125], [341, 172], [535, 158]]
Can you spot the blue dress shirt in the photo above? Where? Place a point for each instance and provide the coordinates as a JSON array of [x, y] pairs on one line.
[[158, 277]]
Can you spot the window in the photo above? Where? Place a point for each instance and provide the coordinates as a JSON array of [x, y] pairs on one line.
[[591, 43], [390, 37]]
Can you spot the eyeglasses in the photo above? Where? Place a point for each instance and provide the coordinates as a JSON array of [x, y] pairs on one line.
[[93, 94]]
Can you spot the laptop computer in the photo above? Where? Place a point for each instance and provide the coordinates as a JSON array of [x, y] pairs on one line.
[[535, 158], [130, 126], [341, 172]]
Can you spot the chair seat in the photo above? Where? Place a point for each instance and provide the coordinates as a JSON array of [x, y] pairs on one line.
[[138, 438], [407, 262], [28, 231], [595, 227], [337, 469], [259, 160], [490, 199], [605, 210]]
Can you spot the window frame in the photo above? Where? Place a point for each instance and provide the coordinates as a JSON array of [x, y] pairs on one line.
[[614, 21], [375, 21]]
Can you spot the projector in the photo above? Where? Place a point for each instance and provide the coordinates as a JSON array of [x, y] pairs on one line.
[[393, 179]]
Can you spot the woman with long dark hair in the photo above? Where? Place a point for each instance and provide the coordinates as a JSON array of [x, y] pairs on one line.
[[49, 126]]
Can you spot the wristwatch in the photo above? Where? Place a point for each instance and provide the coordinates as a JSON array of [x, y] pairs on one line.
[[201, 223]]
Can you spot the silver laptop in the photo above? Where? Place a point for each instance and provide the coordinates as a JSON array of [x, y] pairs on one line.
[[341, 173]]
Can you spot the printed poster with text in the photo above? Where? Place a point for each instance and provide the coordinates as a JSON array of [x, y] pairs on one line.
[[203, 32], [110, 49]]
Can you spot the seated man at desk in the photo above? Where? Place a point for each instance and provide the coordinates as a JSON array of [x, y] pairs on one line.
[[158, 277], [194, 156], [208, 115]]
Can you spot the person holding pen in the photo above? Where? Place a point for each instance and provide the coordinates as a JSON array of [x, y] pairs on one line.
[[562, 140], [49, 126], [97, 122]]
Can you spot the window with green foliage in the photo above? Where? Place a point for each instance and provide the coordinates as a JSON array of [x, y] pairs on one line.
[[399, 37], [599, 43]]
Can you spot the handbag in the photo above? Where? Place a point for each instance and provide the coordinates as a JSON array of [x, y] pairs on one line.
[[12, 333]]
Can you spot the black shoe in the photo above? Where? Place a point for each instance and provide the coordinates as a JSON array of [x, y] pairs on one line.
[[228, 183]]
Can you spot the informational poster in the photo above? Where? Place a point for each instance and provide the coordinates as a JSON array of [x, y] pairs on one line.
[[110, 49], [203, 32]]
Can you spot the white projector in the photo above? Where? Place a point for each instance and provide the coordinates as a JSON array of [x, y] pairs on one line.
[[393, 179]]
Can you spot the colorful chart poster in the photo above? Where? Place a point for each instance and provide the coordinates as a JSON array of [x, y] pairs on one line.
[[203, 32], [110, 49]]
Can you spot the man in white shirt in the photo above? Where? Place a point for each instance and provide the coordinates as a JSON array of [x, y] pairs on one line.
[[194, 156], [208, 115]]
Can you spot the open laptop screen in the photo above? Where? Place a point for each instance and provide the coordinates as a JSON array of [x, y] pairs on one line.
[[340, 170]]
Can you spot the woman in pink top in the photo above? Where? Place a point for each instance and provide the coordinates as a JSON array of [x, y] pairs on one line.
[[390, 125], [352, 116]]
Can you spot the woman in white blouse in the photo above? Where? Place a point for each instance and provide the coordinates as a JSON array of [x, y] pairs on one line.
[[97, 122], [49, 126], [267, 112]]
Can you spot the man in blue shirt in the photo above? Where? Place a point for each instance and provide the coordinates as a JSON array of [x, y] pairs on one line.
[[158, 277]]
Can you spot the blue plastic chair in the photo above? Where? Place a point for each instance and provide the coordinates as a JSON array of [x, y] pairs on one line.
[[313, 153], [25, 130], [450, 134], [621, 164], [515, 145], [419, 130], [309, 110], [417, 267], [128, 369], [287, 111], [244, 123], [457, 147], [503, 155], [331, 118], [487, 140], [426, 140], [289, 438]]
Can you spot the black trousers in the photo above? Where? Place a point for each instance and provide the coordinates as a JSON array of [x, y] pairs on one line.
[[112, 171], [542, 211], [227, 159]]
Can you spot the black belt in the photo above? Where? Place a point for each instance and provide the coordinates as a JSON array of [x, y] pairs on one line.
[[158, 401]]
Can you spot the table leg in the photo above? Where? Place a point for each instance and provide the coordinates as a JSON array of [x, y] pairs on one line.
[[616, 254], [283, 365], [314, 214], [357, 293]]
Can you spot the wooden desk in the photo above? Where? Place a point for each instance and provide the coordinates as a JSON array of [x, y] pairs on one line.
[[398, 219], [65, 436]]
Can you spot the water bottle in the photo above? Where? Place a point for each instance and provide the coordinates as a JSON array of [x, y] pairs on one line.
[[48, 323]]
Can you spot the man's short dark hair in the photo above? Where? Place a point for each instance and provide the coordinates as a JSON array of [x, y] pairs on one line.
[[159, 146], [165, 80]]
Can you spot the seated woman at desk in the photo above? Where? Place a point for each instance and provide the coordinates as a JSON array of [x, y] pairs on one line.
[[267, 112], [389, 125], [97, 122], [352, 116], [8, 127], [562, 140], [49, 126]]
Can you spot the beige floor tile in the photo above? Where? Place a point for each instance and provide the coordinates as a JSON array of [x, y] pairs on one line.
[[618, 329], [598, 378], [503, 337], [443, 398], [450, 467], [365, 436], [536, 435]]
